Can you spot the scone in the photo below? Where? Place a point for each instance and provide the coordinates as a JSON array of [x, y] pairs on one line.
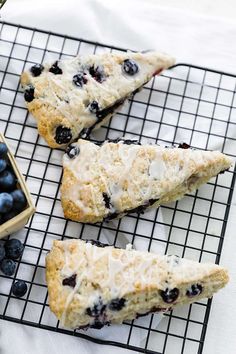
[[91, 286], [108, 180], [69, 98]]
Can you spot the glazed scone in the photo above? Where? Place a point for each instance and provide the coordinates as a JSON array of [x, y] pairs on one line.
[[91, 286], [107, 181], [70, 98]]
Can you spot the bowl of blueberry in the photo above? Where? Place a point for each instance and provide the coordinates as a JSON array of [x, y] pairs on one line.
[[16, 205]]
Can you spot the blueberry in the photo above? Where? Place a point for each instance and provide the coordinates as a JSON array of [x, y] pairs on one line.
[[3, 149], [71, 281], [55, 69], [63, 135], [196, 289], [117, 304], [7, 181], [72, 151], [130, 67], [97, 73], [94, 107], [2, 252], [36, 69], [14, 248], [97, 309], [80, 79], [29, 93], [19, 200], [10, 215], [3, 165], [8, 267], [169, 296], [19, 288], [6, 202]]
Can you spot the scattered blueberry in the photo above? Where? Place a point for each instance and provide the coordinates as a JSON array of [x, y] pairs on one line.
[[72, 151], [2, 252], [130, 67], [71, 281], [8, 266], [29, 93], [80, 79], [19, 200], [63, 135], [94, 107], [36, 69], [97, 73], [117, 304], [6, 202], [196, 289], [3, 149], [97, 309], [14, 248], [169, 296], [3, 165], [7, 181], [55, 69], [19, 288]]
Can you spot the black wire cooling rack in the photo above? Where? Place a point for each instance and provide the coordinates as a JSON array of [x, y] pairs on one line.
[[188, 103]]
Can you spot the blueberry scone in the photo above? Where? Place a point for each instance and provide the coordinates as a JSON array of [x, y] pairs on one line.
[[93, 285], [103, 181], [69, 98]]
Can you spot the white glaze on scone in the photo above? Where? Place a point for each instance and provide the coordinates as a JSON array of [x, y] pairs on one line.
[[131, 176], [59, 102], [139, 281]]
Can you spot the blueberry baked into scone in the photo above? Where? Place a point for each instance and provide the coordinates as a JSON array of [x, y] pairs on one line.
[[69, 98], [104, 181], [93, 285]]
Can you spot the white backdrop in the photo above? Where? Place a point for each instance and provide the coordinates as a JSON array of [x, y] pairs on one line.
[[138, 24]]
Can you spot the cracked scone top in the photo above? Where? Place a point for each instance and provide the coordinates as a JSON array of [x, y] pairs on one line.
[[108, 180], [92, 286], [69, 98]]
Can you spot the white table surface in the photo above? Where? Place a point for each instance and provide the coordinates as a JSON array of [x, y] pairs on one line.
[[138, 24]]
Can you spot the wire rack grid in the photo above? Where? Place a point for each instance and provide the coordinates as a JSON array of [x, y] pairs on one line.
[[188, 103]]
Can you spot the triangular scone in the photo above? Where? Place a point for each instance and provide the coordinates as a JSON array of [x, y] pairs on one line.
[[92, 286], [108, 180], [69, 98]]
